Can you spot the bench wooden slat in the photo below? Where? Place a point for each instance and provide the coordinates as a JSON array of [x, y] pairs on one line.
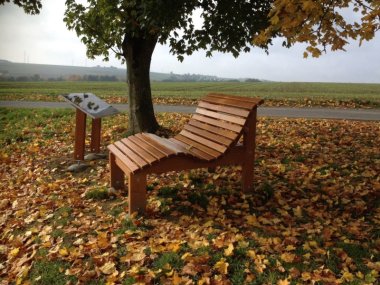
[[132, 167], [144, 136], [208, 135], [168, 144], [206, 142], [228, 102], [211, 128], [193, 144], [215, 99], [220, 116], [225, 109], [141, 151], [254, 100], [218, 123], [192, 151], [149, 148], [138, 160]]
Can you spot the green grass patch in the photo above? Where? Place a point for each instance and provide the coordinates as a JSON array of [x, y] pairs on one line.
[[168, 192], [129, 281], [316, 93], [24, 125], [168, 258], [62, 216], [45, 272], [99, 193]]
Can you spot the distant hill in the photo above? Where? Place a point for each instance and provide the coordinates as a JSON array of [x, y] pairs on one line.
[[35, 72], [47, 71]]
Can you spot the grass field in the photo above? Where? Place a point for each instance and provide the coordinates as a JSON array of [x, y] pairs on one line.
[[293, 94], [312, 219]]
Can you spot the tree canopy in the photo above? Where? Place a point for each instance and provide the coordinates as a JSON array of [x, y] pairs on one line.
[[132, 28], [29, 6], [227, 25]]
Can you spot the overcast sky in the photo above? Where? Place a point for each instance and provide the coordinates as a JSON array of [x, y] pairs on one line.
[[45, 39]]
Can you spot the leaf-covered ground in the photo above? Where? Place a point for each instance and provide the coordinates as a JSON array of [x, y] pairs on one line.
[[313, 218]]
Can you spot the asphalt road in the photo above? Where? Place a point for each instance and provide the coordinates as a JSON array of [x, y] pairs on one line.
[[289, 112]]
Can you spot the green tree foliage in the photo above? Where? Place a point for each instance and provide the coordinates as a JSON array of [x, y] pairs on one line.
[[132, 29], [29, 6]]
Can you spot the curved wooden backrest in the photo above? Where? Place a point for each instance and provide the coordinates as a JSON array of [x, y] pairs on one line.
[[216, 125]]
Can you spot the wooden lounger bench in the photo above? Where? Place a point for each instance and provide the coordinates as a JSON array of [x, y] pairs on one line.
[[209, 139]]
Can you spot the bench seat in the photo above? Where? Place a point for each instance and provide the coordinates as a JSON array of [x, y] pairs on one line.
[[209, 139]]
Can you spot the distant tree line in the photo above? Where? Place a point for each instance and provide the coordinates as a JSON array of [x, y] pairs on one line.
[[252, 80], [112, 78], [202, 78], [191, 78], [22, 78]]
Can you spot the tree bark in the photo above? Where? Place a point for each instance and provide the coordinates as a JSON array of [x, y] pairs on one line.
[[138, 54]]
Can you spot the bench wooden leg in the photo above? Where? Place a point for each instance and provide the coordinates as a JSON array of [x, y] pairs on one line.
[[137, 193], [249, 143], [117, 175], [247, 174]]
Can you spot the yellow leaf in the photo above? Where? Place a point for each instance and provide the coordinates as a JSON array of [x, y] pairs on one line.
[[204, 280], [3, 249], [229, 250], [34, 148], [102, 241], [307, 255], [252, 254], [63, 251], [288, 257], [313, 243], [14, 252], [290, 247], [298, 212], [176, 279], [360, 275], [347, 276], [283, 282], [186, 255], [306, 276], [20, 213], [251, 220], [174, 246], [276, 241], [222, 266], [79, 241], [108, 268], [170, 273], [136, 257], [281, 168]]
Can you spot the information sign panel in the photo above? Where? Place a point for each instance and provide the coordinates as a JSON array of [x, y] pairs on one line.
[[90, 104]]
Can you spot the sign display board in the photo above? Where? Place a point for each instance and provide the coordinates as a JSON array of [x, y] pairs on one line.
[[90, 104]]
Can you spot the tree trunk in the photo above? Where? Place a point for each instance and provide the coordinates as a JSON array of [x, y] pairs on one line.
[[138, 54]]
